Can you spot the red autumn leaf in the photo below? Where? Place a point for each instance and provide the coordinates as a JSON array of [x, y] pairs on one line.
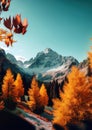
[[25, 23], [24, 30], [5, 4], [17, 20], [7, 41], [1, 19], [8, 23], [18, 30], [20, 27]]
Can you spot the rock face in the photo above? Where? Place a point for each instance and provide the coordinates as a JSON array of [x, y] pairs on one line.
[[47, 65]]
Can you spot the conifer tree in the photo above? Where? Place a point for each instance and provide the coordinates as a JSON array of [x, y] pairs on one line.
[[8, 90], [8, 85], [19, 89], [44, 96], [34, 95], [75, 102]]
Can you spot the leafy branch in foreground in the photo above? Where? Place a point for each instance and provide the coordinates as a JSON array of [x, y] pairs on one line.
[[14, 25]]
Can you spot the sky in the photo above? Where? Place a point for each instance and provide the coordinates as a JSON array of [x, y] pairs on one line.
[[65, 26]]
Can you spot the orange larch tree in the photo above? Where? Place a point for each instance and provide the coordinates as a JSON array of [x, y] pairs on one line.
[[19, 89], [8, 90], [44, 96], [75, 103], [34, 95], [8, 85]]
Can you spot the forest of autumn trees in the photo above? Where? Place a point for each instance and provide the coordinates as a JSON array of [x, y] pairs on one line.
[[13, 90]]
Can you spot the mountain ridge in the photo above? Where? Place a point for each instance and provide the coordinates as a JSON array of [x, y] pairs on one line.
[[47, 65]]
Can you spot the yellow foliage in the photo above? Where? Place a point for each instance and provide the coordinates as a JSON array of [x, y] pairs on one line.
[[34, 95], [32, 104], [76, 99], [6, 37], [44, 96], [38, 98], [19, 89], [8, 85]]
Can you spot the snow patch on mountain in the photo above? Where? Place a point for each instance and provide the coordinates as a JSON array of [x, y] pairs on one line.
[[63, 67], [20, 58], [46, 50], [26, 65]]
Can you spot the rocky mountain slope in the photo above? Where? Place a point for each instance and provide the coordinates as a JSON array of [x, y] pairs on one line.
[[47, 65]]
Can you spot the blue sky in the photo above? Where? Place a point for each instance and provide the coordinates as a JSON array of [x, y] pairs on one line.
[[62, 25]]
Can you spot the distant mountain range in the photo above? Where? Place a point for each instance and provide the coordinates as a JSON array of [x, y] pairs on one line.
[[47, 65]]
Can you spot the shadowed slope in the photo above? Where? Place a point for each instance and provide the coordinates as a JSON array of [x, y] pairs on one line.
[[10, 121]]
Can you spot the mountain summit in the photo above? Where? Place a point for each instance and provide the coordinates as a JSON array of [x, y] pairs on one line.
[[47, 65]]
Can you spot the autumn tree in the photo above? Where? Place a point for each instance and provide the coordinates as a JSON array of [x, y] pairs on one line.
[[75, 103], [44, 96], [19, 89], [8, 89], [34, 96], [8, 85]]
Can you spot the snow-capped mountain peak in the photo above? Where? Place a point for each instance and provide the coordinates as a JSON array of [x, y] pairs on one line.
[[47, 65], [47, 50]]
